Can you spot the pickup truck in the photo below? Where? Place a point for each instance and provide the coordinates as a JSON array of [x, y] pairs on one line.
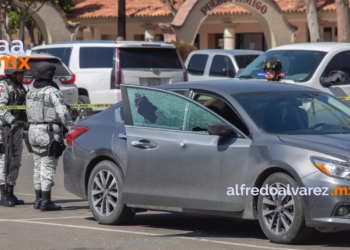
[[216, 64], [323, 65]]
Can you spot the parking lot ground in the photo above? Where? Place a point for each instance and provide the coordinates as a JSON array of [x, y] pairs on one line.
[[74, 227]]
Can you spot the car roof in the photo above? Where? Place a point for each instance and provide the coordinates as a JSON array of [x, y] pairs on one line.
[[110, 43], [34, 55], [232, 51], [240, 86], [319, 46]]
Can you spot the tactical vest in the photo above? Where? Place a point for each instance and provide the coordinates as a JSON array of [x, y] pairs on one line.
[[17, 96], [39, 106]]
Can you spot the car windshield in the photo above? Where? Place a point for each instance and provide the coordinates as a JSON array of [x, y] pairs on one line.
[[297, 65], [296, 112], [244, 60]]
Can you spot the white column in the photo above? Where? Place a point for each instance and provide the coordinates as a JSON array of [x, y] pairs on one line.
[[150, 32], [229, 35], [96, 33]]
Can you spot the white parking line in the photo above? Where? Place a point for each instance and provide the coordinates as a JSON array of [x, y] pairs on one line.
[[51, 196], [148, 234]]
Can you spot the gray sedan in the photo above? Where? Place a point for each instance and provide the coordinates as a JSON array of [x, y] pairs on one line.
[[272, 152]]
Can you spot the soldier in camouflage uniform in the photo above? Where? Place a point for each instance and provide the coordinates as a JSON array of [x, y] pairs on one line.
[[12, 92], [45, 109]]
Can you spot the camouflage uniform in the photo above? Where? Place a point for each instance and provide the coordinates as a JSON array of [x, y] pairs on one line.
[[12, 92], [45, 105]]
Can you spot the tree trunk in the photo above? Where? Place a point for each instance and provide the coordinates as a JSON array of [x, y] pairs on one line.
[[312, 20], [343, 22], [170, 6], [21, 29], [30, 28], [6, 26]]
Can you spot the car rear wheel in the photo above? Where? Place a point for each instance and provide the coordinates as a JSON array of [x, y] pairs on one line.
[[83, 99], [282, 216], [104, 194]]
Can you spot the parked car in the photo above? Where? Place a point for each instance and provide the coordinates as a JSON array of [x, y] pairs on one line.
[[216, 64], [324, 66], [101, 66], [64, 77], [181, 147]]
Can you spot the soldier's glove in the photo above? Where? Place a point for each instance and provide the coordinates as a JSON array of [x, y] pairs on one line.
[[14, 128]]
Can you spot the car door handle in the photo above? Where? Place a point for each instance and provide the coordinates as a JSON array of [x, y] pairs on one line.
[[144, 144], [122, 136]]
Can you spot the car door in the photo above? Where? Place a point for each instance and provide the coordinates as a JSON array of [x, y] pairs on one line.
[[172, 160]]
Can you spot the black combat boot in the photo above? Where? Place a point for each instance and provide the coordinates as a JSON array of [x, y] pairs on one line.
[[12, 196], [47, 204], [5, 199], [38, 200]]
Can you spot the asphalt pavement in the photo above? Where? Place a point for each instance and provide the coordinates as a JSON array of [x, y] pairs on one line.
[[74, 227]]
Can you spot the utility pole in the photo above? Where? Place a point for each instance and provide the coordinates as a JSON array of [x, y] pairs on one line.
[[342, 11], [121, 19]]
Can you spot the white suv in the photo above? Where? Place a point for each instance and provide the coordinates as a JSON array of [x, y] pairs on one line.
[[64, 78], [323, 65], [101, 66]]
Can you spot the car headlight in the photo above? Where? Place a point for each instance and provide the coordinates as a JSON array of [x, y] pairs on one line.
[[332, 168]]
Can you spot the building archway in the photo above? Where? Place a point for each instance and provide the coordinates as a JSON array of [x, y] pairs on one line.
[[277, 29], [52, 22]]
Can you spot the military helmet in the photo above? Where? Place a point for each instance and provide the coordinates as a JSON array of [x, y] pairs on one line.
[[44, 70], [272, 63], [11, 69]]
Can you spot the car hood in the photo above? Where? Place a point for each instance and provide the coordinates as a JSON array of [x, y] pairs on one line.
[[336, 144]]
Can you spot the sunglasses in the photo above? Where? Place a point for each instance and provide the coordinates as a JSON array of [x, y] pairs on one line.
[[270, 70]]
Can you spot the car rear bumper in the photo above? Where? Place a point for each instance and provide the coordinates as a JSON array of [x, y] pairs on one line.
[[70, 94], [73, 174]]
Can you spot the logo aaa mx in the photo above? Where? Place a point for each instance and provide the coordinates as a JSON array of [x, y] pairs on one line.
[[16, 48]]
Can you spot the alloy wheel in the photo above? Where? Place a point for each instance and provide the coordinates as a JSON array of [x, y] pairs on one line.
[[278, 209], [104, 193]]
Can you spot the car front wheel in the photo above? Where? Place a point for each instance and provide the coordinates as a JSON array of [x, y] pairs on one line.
[[104, 194], [281, 215]]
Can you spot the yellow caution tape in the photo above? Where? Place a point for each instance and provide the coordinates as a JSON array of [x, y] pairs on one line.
[[344, 98], [100, 105]]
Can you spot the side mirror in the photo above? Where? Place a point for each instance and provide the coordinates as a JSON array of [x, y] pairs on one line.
[[325, 82], [220, 129]]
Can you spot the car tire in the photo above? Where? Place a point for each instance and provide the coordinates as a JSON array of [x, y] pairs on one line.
[[105, 195], [282, 218], [83, 99]]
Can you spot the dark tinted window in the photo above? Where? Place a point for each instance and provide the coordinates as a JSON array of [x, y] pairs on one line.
[[63, 53], [149, 58], [197, 64], [60, 69], [244, 60], [92, 57], [222, 66]]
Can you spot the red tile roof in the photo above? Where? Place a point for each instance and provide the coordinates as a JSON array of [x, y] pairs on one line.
[[155, 8]]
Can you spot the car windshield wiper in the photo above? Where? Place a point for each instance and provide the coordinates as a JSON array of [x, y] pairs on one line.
[[246, 76]]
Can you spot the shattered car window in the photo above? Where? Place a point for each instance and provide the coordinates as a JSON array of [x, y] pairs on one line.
[[163, 110]]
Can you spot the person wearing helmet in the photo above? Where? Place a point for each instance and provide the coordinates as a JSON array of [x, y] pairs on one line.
[[273, 69], [12, 92], [47, 114]]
